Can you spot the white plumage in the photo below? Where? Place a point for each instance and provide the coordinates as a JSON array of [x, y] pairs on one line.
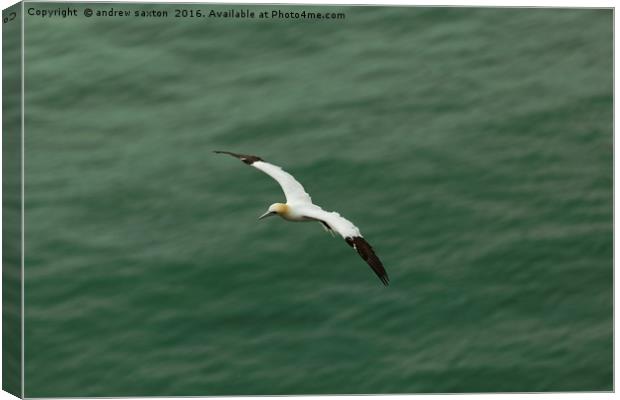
[[299, 208], [336, 222], [294, 192]]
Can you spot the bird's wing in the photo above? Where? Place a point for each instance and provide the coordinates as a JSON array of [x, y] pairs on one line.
[[293, 190], [368, 254], [351, 234]]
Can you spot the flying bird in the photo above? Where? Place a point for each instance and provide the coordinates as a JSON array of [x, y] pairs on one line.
[[299, 208]]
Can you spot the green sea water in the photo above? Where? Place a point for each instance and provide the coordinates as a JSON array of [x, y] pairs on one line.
[[473, 148]]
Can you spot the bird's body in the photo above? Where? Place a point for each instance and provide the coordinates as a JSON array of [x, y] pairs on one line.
[[299, 208], [312, 213]]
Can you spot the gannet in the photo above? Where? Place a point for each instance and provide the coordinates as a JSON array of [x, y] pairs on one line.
[[299, 208]]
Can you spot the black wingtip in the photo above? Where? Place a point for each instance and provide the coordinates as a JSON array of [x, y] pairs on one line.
[[383, 276], [246, 158], [385, 279], [367, 253]]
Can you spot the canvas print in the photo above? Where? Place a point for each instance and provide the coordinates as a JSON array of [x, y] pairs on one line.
[[230, 199]]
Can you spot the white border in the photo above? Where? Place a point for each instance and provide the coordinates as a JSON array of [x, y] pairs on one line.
[[471, 3]]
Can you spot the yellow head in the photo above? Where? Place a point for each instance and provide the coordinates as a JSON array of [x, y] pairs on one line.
[[275, 209]]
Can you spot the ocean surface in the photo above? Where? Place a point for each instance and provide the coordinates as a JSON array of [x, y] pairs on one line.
[[473, 148]]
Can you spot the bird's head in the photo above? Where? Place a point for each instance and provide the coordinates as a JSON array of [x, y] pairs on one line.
[[275, 209]]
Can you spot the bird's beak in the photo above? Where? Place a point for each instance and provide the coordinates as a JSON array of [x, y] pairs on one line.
[[267, 214]]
